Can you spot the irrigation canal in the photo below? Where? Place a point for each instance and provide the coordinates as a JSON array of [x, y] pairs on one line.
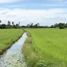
[[13, 57]]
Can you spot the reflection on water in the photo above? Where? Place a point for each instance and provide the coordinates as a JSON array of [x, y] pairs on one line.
[[13, 56]]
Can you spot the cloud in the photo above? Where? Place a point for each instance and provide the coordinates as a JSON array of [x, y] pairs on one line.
[[57, 0], [26, 16], [33, 1], [9, 1]]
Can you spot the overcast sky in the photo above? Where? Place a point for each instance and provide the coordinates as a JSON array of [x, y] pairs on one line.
[[45, 12]]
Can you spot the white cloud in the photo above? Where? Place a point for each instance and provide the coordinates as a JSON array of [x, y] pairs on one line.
[[56, 0], [25, 16], [9, 1]]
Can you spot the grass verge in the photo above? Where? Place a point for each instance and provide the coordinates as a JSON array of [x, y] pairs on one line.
[[29, 52]]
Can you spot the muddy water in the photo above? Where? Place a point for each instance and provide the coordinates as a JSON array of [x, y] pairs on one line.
[[13, 57]]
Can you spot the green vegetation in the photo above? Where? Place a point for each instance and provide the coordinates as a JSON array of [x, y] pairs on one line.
[[11, 24], [7, 37], [46, 48]]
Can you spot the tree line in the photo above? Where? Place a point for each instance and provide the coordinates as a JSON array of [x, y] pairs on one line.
[[57, 25], [9, 25], [31, 25]]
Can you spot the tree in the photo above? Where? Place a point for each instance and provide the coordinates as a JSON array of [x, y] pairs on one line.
[[0, 24], [66, 25], [31, 25], [36, 25], [61, 25], [28, 25], [0, 21], [12, 23], [3, 26], [9, 23], [17, 25]]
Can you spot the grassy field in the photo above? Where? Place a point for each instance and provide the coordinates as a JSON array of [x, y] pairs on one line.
[[46, 48], [7, 37]]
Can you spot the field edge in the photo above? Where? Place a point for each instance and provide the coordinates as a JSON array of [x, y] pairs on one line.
[[10, 44]]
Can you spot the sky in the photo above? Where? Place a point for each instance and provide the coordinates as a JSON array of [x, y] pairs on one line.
[[45, 12]]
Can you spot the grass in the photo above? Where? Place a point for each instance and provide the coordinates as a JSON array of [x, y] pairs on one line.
[[46, 48], [7, 37]]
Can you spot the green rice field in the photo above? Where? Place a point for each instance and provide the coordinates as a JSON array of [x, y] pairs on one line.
[[7, 37], [46, 48]]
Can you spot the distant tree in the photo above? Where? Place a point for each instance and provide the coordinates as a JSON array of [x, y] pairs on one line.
[[36, 25], [31, 25], [56, 25], [3, 26], [12, 23], [19, 23], [9, 23], [0, 21], [66, 25], [52, 26], [17, 26], [28, 25], [61, 25]]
